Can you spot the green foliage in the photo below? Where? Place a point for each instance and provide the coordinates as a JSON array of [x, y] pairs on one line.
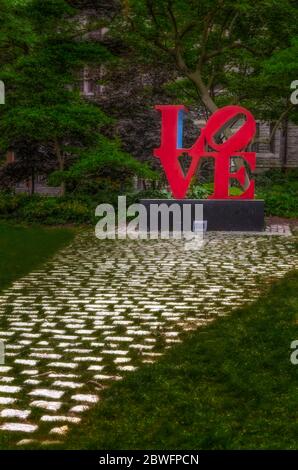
[[135, 197], [10, 203], [47, 124], [47, 210], [200, 191], [43, 102], [278, 189], [226, 52], [273, 177], [280, 192], [105, 157], [56, 211]]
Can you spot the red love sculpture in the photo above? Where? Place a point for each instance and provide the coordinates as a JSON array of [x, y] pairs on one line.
[[171, 148]]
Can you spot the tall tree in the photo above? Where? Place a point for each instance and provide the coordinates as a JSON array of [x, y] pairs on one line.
[[218, 46], [43, 102]]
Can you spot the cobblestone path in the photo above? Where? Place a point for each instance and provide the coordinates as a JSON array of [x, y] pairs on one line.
[[100, 309]]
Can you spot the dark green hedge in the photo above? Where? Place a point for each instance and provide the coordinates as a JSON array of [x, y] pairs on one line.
[[279, 190]]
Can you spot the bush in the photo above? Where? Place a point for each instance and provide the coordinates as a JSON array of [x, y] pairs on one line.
[[278, 189], [57, 211], [200, 191], [135, 197], [280, 200], [280, 192], [276, 177], [47, 210], [11, 203]]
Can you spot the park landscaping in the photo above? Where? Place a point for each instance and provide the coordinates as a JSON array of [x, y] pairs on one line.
[[142, 344], [230, 385], [74, 327], [278, 189]]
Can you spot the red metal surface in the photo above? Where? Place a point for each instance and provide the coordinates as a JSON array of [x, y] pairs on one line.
[[206, 146]]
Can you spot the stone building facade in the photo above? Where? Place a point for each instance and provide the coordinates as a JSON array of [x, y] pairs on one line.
[[282, 151]]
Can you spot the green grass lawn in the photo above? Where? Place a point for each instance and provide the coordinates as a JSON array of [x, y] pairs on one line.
[[230, 385], [23, 249]]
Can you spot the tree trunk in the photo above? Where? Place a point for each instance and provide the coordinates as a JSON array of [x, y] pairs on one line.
[[196, 78], [284, 146], [32, 180], [61, 161]]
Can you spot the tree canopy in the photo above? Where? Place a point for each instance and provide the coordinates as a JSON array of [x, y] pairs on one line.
[[206, 54], [224, 51], [47, 50]]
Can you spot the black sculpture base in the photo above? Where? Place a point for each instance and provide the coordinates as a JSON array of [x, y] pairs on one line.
[[221, 214]]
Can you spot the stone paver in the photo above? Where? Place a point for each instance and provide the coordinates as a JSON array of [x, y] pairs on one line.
[[100, 309]]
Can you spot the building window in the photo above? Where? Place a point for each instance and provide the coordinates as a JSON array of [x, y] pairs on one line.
[[88, 83], [255, 147], [272, 141]]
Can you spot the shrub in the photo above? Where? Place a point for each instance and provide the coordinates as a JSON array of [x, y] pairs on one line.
[[200, 191], [280, 192], [47, 210], [278, 189], [280, 200], [57, 211], [132, 198], [11, 203], [273, 177]]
